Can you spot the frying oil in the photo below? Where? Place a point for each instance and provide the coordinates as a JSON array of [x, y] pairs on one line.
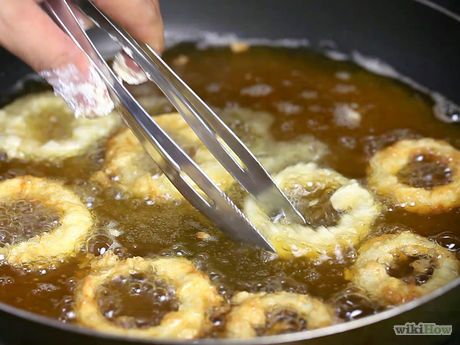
[[353, 111]]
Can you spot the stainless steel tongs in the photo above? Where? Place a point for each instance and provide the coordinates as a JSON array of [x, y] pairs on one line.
[[176, 164]]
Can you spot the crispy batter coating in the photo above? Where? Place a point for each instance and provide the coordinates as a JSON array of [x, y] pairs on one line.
[[426, 267], [282, 312], [196, 296], [352, 205], [386, 165], [40, 127], [48, 248]]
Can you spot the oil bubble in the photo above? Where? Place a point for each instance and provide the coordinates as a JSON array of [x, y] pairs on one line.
[[98, 244], [448, 240], [352, 304]]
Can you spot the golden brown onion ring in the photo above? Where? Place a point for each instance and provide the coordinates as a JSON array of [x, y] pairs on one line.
[[280, 312], [429, 266], [41, 127], [196, 296], [386, 165], [354, 206], [52, 247]]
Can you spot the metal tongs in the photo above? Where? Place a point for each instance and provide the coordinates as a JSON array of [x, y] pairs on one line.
[[234, 156]]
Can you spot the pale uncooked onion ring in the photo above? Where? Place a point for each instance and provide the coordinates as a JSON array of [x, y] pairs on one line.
[[128, 167], [278, 155], [196, 296], [371, 272], [385, 166], [40, 127], [62, 242], [252, 313], [253, 128], [354, 205]]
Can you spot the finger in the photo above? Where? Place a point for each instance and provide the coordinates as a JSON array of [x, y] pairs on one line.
[[142, 18], [28, 32]]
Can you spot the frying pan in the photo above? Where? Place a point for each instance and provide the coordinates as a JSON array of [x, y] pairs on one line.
[[419, 39]]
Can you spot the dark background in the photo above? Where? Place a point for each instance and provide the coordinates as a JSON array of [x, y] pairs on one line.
[[453, 5]]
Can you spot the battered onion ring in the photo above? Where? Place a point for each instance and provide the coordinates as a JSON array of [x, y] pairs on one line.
[[249, 312], [277, 155], [128, 167], [253, 128], [370, 271], [23, 136], [62, 242], [195, 294], [356, 205], [386, 164]]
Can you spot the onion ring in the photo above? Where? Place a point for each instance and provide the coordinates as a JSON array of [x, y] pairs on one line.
[[41, 127], [128, 167], [278, 155], [385, 166], [351, 203], [61, 242], [274, 313], [196, 296], [374, 271], [253, 128]]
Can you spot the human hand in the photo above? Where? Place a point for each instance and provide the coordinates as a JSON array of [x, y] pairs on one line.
[[28, 32]]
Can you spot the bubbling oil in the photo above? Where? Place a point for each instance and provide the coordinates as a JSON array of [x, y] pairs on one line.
[[58, 126], [337, 102], [352, 304], [281, 322], [317, 209], [136, 301], [20, 220], [415, 270], [426, 171]]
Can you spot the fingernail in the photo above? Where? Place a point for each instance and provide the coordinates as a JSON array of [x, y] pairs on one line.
[[128, 70], [86, 95]]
